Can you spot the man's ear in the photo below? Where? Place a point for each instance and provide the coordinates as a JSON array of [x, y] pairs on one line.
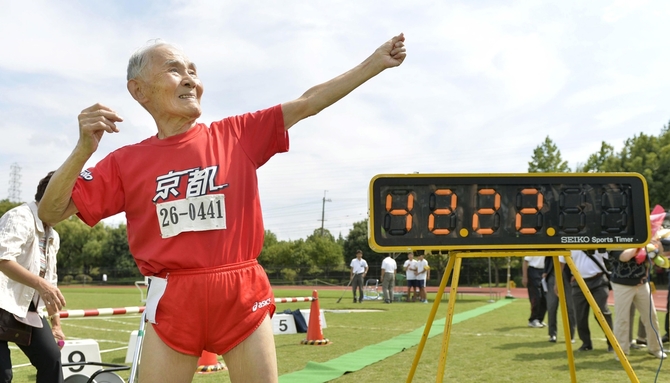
[[136, 90]]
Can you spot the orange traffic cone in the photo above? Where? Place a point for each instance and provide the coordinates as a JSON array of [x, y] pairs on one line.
[[208, 363], [314, 333]]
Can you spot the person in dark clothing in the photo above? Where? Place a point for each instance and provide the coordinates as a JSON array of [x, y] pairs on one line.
[[551, 294], [532, 279], [631, 286], [591, 270]]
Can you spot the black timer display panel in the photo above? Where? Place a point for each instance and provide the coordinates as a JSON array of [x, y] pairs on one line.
[[508, 211]]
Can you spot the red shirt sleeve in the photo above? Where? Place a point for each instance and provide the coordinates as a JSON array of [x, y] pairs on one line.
[[261, 134], [98, 192]]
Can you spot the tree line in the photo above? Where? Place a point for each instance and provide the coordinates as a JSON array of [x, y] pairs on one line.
[[88, 252]]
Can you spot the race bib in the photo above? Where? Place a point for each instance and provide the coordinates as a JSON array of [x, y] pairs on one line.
[[202, 213]]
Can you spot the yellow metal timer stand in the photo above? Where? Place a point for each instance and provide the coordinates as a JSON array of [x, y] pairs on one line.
[[454, 266]]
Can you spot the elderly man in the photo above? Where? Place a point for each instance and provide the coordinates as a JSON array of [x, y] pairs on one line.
[[191, 200]]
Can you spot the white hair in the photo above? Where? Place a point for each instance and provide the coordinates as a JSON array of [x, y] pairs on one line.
[[138, 60]]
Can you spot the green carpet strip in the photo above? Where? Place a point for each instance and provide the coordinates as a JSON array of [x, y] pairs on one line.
[[354, 361]]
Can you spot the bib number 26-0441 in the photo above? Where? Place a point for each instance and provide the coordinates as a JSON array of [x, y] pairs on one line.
[[202, 213]]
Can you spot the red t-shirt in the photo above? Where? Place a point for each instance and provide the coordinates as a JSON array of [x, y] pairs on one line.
[[191, 200]]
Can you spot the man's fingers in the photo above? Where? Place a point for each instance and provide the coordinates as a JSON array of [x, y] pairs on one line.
[[99, 113], [400, 57], [98, 107], [397, 49], [99, 121], [97, 124], [110, 125], [111, 115], [400, 37], [108, 115]]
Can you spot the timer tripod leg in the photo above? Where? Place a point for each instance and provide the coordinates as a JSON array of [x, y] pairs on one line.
[[449, 320], [558, 277], [601, 319], [431, 316]]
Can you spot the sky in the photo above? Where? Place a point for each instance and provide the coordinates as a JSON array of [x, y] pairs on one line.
[[483, 84]]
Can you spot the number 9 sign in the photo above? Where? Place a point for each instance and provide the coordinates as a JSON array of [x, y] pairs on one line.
[[79, 351]]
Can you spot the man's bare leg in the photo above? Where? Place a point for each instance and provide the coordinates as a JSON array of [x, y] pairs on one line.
[[161, 364], [255, 359]]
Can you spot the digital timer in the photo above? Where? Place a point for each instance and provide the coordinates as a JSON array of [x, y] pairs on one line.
[[508, 211]]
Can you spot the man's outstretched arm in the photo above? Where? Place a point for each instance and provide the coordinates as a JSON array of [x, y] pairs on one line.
[[389, 55], [56, 204]]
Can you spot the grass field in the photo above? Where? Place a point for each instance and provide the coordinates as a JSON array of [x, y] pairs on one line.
[[494, 347]]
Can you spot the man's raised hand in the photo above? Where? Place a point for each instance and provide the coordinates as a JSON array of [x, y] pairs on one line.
[[94, 121], [392, 53]]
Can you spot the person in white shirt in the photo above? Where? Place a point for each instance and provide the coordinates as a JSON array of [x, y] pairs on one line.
[[410, 273], [389, 266], [532, 270], [421, 274], [28, 284], [592, 269], [359, 268]]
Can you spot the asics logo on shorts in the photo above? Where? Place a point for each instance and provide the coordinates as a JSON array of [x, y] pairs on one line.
[[260, 305]]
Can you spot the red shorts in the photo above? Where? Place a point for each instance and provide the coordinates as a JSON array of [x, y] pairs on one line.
[[213, 309]]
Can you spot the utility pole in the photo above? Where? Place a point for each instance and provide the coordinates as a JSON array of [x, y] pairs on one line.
[[14, 183], [323, 209]]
